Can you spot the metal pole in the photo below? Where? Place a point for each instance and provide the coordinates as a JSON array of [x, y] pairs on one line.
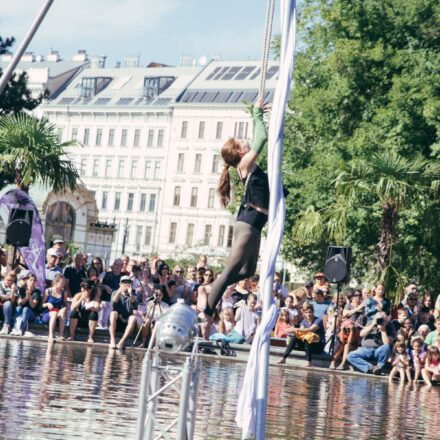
[[192, 408], [153, 404], [124, 238], [332, 345], [146, 371], [183, 406], [23, 46]]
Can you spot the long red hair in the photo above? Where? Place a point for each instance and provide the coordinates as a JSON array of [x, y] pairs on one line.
[[232, 158]]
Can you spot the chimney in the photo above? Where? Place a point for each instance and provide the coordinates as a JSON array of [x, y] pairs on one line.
[[117, 65], [53, 56], [28, 57], [187, 60], [131, 61], [81, 55], [7, 56], [98, 61]]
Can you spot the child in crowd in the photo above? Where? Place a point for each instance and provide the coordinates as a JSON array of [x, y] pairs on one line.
[[407, 330], [291, 310], [400, 362], [227, 315], [432, 366], [283, 323], [418, 357], [349, 340]]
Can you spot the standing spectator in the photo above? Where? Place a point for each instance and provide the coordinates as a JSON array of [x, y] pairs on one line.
[[377, 302], [167, 285], [28, 306], [110, 283], [355, 308], [125, 259], [311, 332], [278, 281], [427, 302], [309, 287], [144, 261], [8, 295], [411, 306], [241, 291], [55, 301], [402, 314], [98, 264], [200, 274], [58, 245], [319, 281], [74, 275], [425, 318], [411, 287], [191, 275], [320, 305], [85, 260], [377, 338], [147, 284], [203, 262], [51, 268], [122, 318], [182, 287]]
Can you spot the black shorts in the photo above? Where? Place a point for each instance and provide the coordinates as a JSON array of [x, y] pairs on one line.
[[84, 316]]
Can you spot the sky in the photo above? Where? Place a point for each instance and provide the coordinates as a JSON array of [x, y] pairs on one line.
[[156, 30]]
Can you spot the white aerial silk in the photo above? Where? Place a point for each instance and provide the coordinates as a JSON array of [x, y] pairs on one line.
[[246, 417]]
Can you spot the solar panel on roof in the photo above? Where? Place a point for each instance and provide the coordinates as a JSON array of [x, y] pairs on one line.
[[231, 73], [249, 96], [213, 73], [199, 96], [102, 101], [245, 72], [162, 101], [66, 101], [271, 72], [188, 97], [235, 97], [124, 101], [222, 72], [223, 96], [255, 74], [268, 97], [209, 96]]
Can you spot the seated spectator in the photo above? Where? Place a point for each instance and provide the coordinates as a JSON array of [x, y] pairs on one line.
[[125, 259], [278, 281], [241, 291], [319, 281], [377, 302], [320, 305], [166, 284], [51, 268], [348, 341], [427, 302], [377, 339], [418, 357], [423, 331], [227, 300], [412, 307], [407, 330], [282, 324], [402, 314], [147, 285], [155, 307], [217, 324], [121, 318], [110, 283], [355, 308], [400, 363], [58, 246], [432, 366], [8, 296], [199, 275], [84, 309], [73, 275], [55, 302], [291, 309], [28, 306], [432, 337], [425, 318], [332, 326], [308, 285], [191, 277], [135, 275], [247, 318], [437, 307], [311, 332], [411, 287], [92, 274], [227, 316], [254, 285], [98, 265]]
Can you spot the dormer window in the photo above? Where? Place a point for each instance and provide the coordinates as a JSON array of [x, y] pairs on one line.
[[155, 85], [91, 86]]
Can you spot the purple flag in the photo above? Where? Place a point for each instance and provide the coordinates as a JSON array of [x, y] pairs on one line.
[[35, 253]]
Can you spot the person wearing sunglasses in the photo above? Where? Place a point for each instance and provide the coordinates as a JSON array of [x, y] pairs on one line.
[[355, 308], [166, 284], [182, 287]]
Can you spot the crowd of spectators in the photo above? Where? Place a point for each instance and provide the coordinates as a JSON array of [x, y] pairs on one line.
[[357, 328]]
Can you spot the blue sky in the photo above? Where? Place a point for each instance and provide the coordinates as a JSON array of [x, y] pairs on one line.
[[157, 30]]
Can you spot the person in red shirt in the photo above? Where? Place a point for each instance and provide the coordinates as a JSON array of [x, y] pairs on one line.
[[320, 281]]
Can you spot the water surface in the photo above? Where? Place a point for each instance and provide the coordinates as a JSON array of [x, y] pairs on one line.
[[76, 392]]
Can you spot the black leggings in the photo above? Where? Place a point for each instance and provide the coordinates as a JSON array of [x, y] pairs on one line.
[[313, 347], [84, 316], [242, 262]]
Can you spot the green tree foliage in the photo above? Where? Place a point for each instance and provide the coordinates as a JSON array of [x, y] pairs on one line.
[[366, 87]]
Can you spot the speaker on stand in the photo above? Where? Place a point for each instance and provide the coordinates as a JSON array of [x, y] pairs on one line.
[[337, 270], [19, 229]]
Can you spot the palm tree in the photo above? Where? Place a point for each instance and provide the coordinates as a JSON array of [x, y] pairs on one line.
[[387, 178], [31, 151]]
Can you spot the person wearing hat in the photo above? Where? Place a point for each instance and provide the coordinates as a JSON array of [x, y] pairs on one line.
[[320, 281], [122, 318], [51, 268], [412, 307], [58, 247]]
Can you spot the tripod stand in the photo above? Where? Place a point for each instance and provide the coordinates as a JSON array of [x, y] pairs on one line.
[[149, 314]]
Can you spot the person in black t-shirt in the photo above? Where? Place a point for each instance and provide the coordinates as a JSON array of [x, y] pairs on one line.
[[74, 274], [166, 285]]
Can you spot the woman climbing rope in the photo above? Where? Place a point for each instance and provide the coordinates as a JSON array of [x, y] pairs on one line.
[[253, 212]]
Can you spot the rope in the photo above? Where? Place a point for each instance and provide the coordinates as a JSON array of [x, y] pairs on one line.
[[266, 46]]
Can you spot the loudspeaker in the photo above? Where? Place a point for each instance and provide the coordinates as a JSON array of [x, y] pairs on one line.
[[337, 264], [19, 229]]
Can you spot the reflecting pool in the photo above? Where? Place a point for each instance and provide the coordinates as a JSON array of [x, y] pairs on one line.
[[75, 392]]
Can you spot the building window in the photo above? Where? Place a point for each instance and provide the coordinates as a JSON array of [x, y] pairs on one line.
[[134, 165], [176, 199], [124, 137], [108, 167], [152, 205], [160, 134], [180, 162], [156, 170], [230, 236], [184, 130], [127, 234], [86, 136], [117, 201], [104, 200], [148, 230], [121, 168], [74, 134], [194, 197], [173, 228], [215, 163], [150, 141], [93, 193], [190, 234], [138, 236], [201, 129], [130, 201], [82, 168], [95, 167], [211, 198], [219, 130], [111, 137], [147, 169], [221, 236], [240, 130], [143, 202], [98, 136], [137, 137], [197, 164], [207, 236]]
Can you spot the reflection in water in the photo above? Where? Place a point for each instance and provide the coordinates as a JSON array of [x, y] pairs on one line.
[[69, 391]]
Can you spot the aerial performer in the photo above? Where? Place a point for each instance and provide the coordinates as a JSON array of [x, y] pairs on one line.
[[253, 212]]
